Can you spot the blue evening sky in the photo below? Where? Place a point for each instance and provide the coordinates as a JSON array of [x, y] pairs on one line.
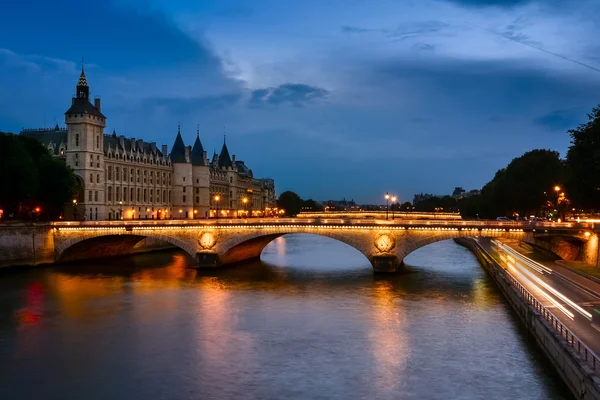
[[337, 98]]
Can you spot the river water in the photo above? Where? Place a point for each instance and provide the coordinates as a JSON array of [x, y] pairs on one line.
[[311, 321]]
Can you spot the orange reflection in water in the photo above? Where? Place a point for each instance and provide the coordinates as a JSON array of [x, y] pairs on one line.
[[387, 336]]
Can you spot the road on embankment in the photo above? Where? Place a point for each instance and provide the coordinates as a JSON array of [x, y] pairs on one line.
[[572, 298]]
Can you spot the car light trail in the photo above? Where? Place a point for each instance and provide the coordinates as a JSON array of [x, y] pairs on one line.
[[556, 293], [546, 295]]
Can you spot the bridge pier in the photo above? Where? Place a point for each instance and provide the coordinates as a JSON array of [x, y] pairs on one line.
[[207, 260], [386, 263]]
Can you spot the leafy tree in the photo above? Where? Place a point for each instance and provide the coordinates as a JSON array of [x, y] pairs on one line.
[[406, 206], [583, 163], [32, 178], [311, 205], [445, 203], [290, 202], [524, 186]]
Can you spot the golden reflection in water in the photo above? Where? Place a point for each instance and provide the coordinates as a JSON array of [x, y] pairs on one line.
[[74, 293], [219, 341], [281, 243], [388, 338], [170, 275], [482, 296]]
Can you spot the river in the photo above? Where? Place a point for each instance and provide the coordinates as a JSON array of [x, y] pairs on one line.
[[311, 321]]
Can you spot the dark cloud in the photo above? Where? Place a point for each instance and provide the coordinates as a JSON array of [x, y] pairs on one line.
[[561, 119], [184, 106], [296, 94], [115, 36]]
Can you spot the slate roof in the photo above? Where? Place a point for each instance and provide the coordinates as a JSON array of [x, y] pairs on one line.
[[83, 106], [178, 151], [197, 155], [224, 158], [130, 144], [47, 136]]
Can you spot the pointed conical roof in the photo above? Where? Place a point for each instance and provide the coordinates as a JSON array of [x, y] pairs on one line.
[[224, 158], [197, 154], [82, 79], [178, 150]]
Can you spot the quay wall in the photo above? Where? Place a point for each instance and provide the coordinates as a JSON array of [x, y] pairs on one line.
[[581, 379], [30, 244]]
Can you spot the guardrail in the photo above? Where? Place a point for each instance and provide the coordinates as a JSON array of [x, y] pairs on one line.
[[572, 340], [332, 221]]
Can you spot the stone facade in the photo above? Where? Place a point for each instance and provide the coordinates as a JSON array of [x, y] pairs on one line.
[[128, 178]]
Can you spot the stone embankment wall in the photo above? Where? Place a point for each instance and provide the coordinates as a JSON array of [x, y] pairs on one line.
[[579, 377], [24, 244]]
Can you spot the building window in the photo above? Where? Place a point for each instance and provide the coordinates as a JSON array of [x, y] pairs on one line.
[[77, 139], [184, 189], [124, 194], [145, 195], [138, 195], [169, 196], [184, 178], [197, 180], [109, 193], [96, 213], [118, 194], [131, 175], [117, 173], [96, 198], [151, 192], [110, 172], [131, 195], [91, 178], [76, 160], [98, 178], [184, 198], [197, 199], [97, 142], [164, 196], [97, 161], [92, 161], [231, 179], [90, 196], [197, 190], [90, 213], [124, 174]]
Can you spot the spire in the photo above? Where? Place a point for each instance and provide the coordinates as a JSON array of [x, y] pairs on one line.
[[224, 158], [197, 155], [178, 150]]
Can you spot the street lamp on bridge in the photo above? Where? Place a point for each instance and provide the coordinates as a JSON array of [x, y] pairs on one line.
[[75, 209], [245, 201], [387, 204], [394, 198]]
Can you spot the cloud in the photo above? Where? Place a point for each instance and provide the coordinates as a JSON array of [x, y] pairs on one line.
[[561, 119], [295, 94], [358, 29], [182, 106]]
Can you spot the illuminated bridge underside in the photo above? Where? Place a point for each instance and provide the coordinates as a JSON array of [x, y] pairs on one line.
[[231, 241]]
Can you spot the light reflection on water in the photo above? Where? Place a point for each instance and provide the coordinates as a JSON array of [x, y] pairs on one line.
[[310, 321]]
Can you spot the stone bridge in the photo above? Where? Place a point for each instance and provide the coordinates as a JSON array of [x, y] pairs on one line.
[[214, 243]]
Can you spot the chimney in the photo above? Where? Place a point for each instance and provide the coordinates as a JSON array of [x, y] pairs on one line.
[[97, 103], [153, 147], [164, 150], [122, 141], [73, 101], [132, 144], [233, 158], [187, 153]]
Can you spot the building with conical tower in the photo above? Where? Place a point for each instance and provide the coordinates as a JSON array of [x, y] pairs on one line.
[[128, 178]]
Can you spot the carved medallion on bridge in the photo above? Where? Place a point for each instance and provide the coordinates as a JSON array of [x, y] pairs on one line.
[[385, 243], [207, 240]]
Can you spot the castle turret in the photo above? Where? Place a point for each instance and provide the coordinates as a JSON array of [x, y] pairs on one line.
[[183, 199], [85, 124], [201, 179]]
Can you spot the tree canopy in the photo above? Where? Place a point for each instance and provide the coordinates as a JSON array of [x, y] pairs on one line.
[[583, 163], [32, 178], [290, 202]]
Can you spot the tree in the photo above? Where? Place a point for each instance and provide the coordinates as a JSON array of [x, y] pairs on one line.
[[290, 202], [32, 178], [583, 163], [406, 206], [524, 186], [311, 205]]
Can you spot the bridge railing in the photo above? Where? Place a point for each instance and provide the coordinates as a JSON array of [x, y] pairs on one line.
[[331, 221], [572, 340]]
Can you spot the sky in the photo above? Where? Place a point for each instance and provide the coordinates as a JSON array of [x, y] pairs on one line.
[[332, 99]]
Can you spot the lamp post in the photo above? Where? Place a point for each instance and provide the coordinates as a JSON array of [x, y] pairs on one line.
[[387, 204], [394, 198], [180, 211], [245, 201], [75, 209], [121, 210], [217, 198]]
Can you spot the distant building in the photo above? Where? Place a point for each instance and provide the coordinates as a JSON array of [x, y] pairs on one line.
[[417, 198], [128, 178], [458, 192], [340, 205]]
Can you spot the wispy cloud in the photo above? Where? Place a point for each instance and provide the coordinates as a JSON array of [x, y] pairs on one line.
[[295, 94]]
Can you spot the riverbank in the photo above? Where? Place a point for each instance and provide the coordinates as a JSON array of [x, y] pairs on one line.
[[583, 382]]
